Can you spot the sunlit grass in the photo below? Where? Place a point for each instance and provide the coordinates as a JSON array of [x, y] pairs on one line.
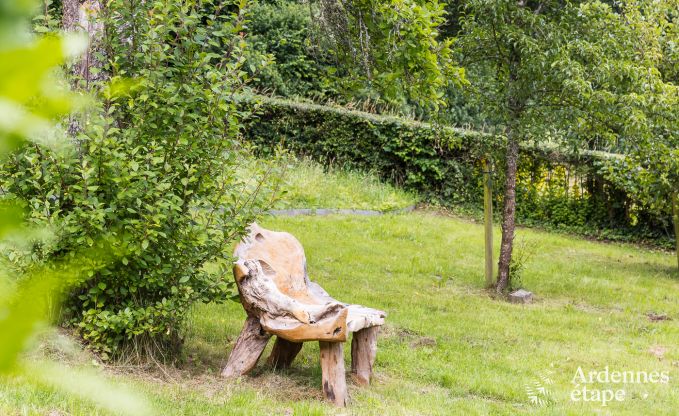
[[448, 346], [309, 185]]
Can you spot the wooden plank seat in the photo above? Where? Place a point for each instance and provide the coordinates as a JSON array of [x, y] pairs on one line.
[[280, 300]]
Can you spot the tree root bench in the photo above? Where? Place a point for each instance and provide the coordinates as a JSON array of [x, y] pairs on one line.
[[280, 300]]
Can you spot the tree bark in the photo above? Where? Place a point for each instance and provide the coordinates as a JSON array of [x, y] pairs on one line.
[[515, 104], [675, 208], [84, 16], [509, 214], [70, 17]]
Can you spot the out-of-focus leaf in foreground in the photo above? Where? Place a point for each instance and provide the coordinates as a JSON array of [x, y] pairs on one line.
[[32, 99], [88, 385], [27, 308]]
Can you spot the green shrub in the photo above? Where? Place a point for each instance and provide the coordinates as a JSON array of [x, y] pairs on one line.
[[411, 154], [282, 29], [152, 172], [572, 192]]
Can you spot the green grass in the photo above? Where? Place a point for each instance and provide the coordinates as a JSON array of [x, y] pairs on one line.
[[448, 346], [309, 185]]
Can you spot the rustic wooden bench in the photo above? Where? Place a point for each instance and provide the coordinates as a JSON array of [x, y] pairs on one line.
[[280, 300]]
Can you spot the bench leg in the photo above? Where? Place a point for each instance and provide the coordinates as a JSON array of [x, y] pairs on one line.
[[284, 352], [363, 351], [249, 346], [332, 368]]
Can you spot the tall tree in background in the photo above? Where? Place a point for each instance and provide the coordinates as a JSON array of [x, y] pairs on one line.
[[558, 72], [84, 16], [393, 47], [551, 71], [650, 170]]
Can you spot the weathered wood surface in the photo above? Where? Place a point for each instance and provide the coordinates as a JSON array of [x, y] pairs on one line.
[[284, 353], [332, 368], [249, 346], [363, 352], [281, 300], [360, 317], [274, 285]]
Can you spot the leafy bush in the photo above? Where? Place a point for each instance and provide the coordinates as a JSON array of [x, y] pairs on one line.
[[153, 172], [282, 29], [415, 155], [572, 192]]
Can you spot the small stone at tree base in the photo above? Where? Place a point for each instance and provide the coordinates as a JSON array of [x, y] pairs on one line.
[[521, 296]]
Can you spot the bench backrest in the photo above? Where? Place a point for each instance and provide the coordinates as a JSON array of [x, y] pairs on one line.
[[282, 258]]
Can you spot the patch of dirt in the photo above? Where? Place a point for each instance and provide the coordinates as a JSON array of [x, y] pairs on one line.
[[405, 335], [198, 374], [294, 384], [423, 342], [658, 351], [656, 317]]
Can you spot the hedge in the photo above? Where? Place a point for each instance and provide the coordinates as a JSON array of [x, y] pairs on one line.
[[555, 189]]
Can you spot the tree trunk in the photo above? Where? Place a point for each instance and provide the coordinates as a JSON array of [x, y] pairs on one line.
[[675, 208], [509, 214], [71, 15], [84, 16]]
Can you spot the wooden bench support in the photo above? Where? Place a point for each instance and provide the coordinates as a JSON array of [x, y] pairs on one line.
[[363, 351], [284, 352], [333, 378], [280, 299], [249, 346]]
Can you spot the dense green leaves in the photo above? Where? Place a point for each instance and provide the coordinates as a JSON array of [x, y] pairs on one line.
[[28, 105], [571, 192], [282, 31], [151, 172], [392, 47]]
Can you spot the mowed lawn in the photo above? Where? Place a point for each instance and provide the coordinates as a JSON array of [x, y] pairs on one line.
[[448, 347]]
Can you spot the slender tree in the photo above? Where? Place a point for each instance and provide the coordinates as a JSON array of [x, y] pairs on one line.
[[84, 17], [552, 71], [393, 47], [558, 72]]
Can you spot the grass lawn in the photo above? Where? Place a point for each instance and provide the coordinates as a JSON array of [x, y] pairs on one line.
[[308, 184], [448, 347]]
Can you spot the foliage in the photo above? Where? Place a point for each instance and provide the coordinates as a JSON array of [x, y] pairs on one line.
[[392, 48], [32, 97], [577, 74], [415, 155], [650, 170], [555, 188], [28, 105], [316, 55], [282, 29], [152, 172]]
